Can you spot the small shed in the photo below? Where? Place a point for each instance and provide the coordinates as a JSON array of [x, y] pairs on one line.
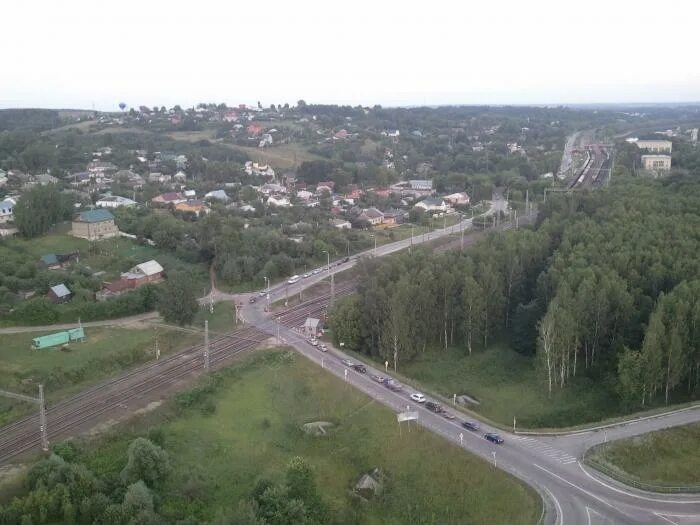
[[311, 327], [59, 293]]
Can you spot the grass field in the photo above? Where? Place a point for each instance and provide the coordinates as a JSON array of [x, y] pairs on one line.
[[665, 458], [105, 352], [286, 156], [508, 385], [254, 431]]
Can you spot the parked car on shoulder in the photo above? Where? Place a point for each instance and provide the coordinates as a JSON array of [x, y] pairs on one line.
[[418, 397], [494, 438], [323, 348], [347, 259], [470, 425], [448, 415]]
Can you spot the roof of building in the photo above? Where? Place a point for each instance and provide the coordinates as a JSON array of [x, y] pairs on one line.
[[118, 199], [311, 322], [49, 258], [372, 213], [95, 216], [60, 290], [217, 194], [149, 267], [419, 184], [432, 201]]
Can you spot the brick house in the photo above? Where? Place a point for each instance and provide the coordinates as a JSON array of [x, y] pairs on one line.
[[94, 225]]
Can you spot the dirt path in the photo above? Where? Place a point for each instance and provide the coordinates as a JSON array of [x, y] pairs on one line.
[[122, 321]]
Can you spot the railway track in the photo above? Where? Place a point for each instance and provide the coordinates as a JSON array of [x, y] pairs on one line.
[[86, 407]]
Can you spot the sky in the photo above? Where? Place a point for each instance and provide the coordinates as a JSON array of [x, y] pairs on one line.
[[97, 53]]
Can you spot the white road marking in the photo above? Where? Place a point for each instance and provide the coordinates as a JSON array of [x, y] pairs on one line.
[[576, 487], [665, 518], [639, 496], [560, 513]]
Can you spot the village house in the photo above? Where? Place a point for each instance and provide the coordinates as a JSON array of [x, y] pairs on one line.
[[59, 294], [372, 216], [278, 201], [217, 195], [159, 178], [114, 201], [328, 186], [457, 199], [94, 225], [432, 204], [341, 224], [194, 206], [7, 207], [101, 169], [180, 176], [148, 272], [167, 199], [270, 188], [394, 216]]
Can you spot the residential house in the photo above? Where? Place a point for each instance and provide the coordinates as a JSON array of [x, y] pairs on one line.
[[270, 188], [7, 207], [279, 201], [180, 176], [393, 133], [432, 204], [341, 224], [148, 272], [340, 134], [266, 140], [328, 186], [195, 206], [159, 178], [100, 169], [254, 129], [218, 195], [94, 225], [56, 261], [457, 199], [114, 201], [304, 195], [394, 216], [59, 293], [129, 177], [230, 116], [168, 199], [190, 194], [45, 179], [655, 146], [420, 184], [372, 216]]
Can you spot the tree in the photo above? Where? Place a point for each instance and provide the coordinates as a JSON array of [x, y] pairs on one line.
[[301, 486], [178, 300], [40, 208], [138, 498], [145, 461], [473, 305]]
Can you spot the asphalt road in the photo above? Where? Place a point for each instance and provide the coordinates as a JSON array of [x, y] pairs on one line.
[[573, 494]]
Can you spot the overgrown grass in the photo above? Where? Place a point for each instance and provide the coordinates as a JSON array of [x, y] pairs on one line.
[[507, 385], [230, 431], [665, 458]]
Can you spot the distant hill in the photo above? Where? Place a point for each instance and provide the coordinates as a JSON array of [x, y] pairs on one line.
[[29, 119]]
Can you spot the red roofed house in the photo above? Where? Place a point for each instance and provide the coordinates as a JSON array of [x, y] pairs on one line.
[[342, 134], [255, 129], [169, 198], [230, 116]]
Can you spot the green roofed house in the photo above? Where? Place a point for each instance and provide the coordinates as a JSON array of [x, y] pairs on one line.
[[94, 225]]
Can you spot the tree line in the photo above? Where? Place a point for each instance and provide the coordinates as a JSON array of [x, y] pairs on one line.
[[605, 286]]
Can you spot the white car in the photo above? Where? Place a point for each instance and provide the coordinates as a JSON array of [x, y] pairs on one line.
[[418, 397], [306, 275], [316, 271]]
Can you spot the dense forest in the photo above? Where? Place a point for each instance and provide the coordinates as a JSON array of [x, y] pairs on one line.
[[604, 286]]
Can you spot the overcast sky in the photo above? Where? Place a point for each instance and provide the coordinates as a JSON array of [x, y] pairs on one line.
[[97, 53]]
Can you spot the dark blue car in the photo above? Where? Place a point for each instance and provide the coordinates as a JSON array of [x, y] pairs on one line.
[[494, 438]]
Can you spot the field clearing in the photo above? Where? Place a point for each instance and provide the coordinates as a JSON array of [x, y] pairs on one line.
[[668, 457], [105, 352], [254, 431], [192, 136], [286, 156]]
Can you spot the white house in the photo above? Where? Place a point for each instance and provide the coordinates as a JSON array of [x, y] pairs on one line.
[[7, 207], [455, 199], [279, 201], [114, 201], [304, 195], [219, 195], [432, 204], [341, 224]]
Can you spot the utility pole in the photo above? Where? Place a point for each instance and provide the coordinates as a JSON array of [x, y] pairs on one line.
[[330, 302], [516, 219], [42, 420], [206, 345], [278, 330], [461, 231], [42, 412], [411, 246], [157, 346]]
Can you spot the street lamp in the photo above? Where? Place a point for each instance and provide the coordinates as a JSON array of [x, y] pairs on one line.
[[375, 244], [267, 294], [328, 265]]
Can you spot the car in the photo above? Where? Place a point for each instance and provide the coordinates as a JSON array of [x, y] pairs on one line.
[[339, 263], [306, 275], [434, 407], [348, 363], [448, 415], [313, 342], [347, 259], [392, 385], [418, 397], [360, 368], [494, 438], [262, 293], [293, 279], [470, 425], [378, 379], [323, 348], [316, 271], [251, 300]]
